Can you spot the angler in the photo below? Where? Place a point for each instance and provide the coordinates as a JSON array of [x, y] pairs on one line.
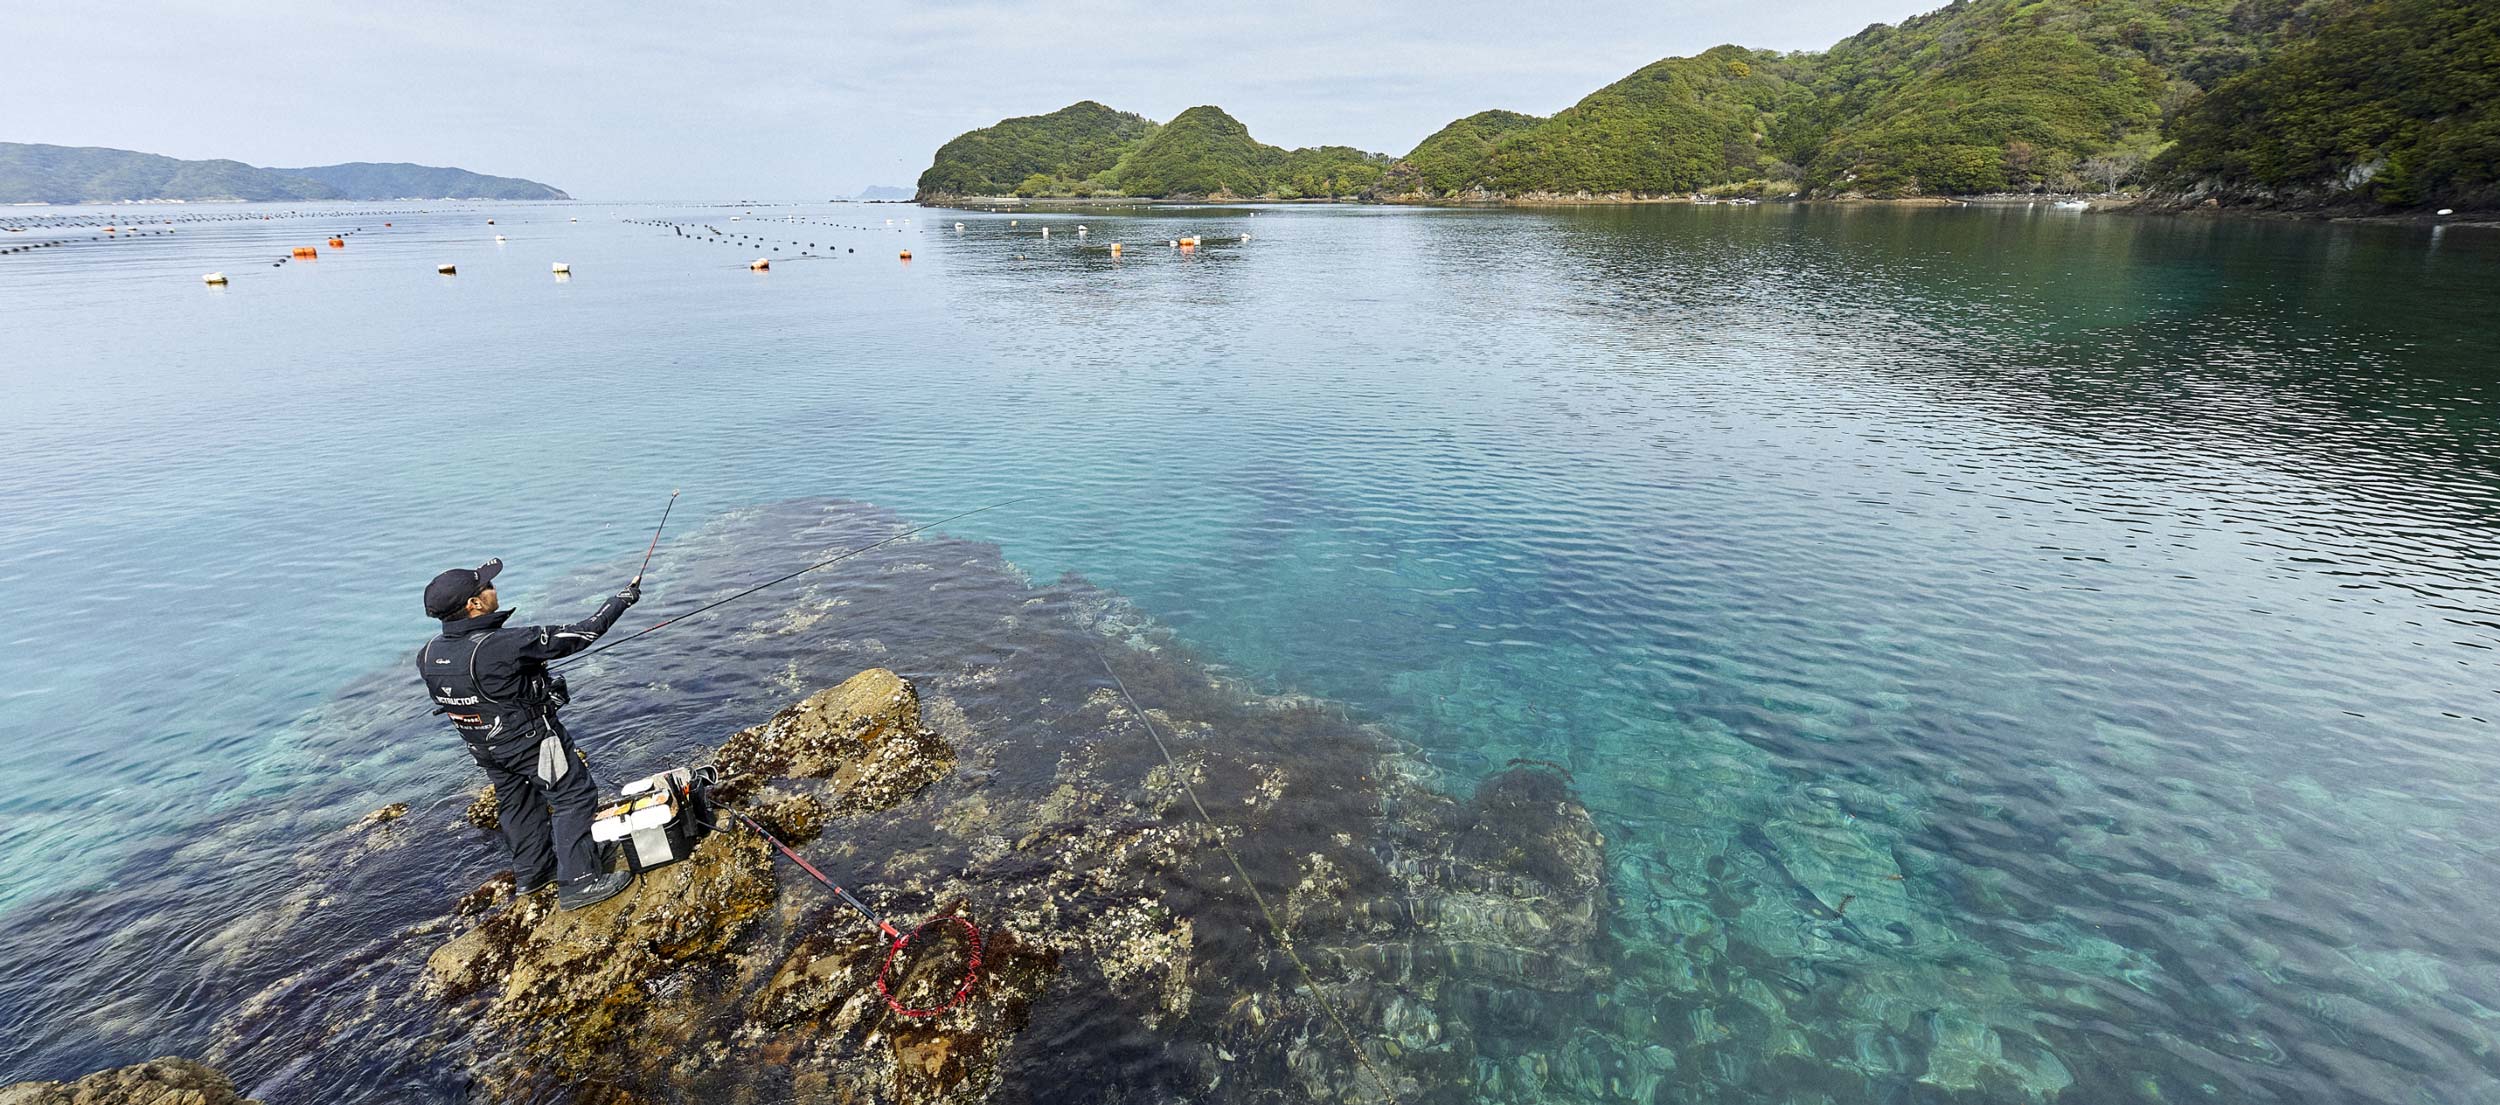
[[491, 680]]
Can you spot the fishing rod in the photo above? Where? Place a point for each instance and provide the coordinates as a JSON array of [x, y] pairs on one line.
[[780, 579], [810, 868], [655, 536], [888, 987]]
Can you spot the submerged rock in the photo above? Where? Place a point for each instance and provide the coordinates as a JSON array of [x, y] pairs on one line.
[[166, 1081]]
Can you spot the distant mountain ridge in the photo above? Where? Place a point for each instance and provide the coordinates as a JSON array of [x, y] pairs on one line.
[[35, 173], [2313, 103]]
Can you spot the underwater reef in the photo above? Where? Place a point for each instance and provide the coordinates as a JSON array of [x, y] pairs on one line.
[[729, 975]]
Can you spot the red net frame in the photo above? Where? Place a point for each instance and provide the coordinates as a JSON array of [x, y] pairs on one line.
[[972, 968]]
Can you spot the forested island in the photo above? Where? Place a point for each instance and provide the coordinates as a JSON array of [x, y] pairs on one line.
[[2295, 103], [31, 173]]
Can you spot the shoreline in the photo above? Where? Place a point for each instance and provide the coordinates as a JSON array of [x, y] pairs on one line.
[[2096, 202]]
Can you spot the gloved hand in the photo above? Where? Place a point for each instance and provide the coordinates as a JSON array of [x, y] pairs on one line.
[[632, 593]]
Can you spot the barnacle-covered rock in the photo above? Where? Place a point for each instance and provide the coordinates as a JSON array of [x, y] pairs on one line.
[[155, 1082], [863, 736]]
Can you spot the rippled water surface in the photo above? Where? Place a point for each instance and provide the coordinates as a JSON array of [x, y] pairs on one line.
[[2012, 654]]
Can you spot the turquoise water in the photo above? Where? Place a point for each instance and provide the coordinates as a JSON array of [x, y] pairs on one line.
[[2093, 616]]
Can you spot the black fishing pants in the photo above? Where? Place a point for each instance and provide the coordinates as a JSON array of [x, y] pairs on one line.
[[545, 821]]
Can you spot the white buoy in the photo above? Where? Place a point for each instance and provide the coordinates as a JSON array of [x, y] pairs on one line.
[[1045, 232], [215, 279], [499, 237], [562, 269], [2447, 211], [760, 264], [1245, 237], [959, 226], [572, 220], [1011, 222]]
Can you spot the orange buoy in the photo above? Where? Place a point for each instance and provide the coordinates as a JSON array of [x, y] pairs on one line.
[[338, 243], [1115, 249], [907, 255], [306, 253], [760, 264], [447, 270]]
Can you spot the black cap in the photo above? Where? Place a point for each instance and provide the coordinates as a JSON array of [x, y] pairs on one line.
[[452, 590]]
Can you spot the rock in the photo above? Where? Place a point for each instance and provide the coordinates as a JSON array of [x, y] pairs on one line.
[[383, 816], [155, 1082], [484, 811], [865, 736], [573, 989], [623, 992]]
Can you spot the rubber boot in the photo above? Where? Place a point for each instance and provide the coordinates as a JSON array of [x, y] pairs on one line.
[[590, 890]]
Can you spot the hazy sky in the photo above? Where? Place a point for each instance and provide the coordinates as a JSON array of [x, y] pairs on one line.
[[625, 100]]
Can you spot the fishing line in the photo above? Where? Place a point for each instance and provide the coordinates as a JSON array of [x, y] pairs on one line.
[[1274, 926], [780, 579]]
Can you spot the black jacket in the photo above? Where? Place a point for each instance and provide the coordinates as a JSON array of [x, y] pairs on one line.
[[491, 679]]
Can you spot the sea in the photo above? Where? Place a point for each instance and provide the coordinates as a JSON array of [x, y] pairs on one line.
[[2131, 582]]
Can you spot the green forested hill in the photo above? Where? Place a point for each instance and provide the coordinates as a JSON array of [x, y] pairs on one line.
[[2388, 101], [1073, 144], [32, 173], [1674, 126], [2380, 99], [1457, 157], [1995, 95], [1978, 96], [1201, 152]]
